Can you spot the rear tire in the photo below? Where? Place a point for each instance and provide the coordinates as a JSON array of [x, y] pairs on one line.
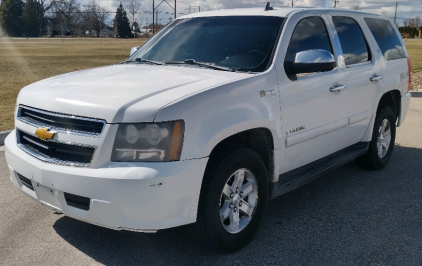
[[233, 199], [382, 143]]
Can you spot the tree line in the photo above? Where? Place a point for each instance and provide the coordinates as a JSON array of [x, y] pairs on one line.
[[411, 27], [35, 18]]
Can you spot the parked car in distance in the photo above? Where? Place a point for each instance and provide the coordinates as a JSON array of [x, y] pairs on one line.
[[214, 115]]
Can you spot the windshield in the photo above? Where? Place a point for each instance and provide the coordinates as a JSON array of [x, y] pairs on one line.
[[237, 43]]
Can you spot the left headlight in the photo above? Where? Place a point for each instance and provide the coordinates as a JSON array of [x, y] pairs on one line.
[[148, 142]]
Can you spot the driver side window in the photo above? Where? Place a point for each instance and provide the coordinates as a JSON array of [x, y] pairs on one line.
[[309, 34]]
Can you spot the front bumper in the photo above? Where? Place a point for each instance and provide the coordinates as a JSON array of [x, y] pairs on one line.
[[404, 107], [133, 196]]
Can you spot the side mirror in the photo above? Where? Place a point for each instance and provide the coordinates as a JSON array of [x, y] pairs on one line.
[[311, 61], [134, 49]]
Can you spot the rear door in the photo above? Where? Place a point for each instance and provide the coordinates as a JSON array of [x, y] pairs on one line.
[[362, 70]]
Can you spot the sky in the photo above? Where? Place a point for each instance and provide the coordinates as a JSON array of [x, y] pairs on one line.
[[406, 8]]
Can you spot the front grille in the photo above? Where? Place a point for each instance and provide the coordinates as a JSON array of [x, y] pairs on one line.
[[62, 123], [56, 152], [26, 182]]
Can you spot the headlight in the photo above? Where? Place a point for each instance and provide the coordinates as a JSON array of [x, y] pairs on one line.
[[148, 142]]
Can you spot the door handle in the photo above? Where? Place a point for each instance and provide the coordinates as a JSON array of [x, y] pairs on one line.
[[337, 88], [376, 78]]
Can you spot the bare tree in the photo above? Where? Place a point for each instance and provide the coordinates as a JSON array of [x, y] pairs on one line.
[[354, 7], [102, 14], [67, 13], [132, 7], [417, 22]]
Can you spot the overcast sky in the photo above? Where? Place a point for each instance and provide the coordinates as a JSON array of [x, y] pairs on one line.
[[406, 9]]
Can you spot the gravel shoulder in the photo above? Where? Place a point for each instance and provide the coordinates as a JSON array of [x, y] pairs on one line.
[[416, 81]]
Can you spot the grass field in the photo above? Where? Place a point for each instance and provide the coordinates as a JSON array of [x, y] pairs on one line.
[[24, 61], [414, 47]]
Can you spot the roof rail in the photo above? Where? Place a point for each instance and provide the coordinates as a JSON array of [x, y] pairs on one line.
[[268, 7]]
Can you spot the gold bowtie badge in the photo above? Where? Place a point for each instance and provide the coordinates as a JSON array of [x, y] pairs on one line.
[[43, 133]]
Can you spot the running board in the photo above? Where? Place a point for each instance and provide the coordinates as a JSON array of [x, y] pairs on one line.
[[302, 175]]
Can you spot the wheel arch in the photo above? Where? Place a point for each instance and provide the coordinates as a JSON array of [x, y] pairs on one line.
[[259, 139], [390, 98]]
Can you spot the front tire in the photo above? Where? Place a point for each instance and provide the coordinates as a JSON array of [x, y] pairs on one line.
[[233, 199], [382, 143]]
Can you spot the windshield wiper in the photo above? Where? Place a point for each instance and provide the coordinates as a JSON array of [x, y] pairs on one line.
[[140, 60], [193, 62]]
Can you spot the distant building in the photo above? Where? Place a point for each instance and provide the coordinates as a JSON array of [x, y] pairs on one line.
[[106, 32]]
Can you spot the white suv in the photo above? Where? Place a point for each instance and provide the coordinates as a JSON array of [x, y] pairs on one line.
[[214, 115]]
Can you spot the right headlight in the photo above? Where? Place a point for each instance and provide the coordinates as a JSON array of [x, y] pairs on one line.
[[148, 142]]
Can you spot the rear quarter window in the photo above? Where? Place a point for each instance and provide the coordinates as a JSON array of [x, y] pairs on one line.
[[386, 38]]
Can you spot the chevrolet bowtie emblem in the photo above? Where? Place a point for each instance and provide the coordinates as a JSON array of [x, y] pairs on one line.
[[43, 133]]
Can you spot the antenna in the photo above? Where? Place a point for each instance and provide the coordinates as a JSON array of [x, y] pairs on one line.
[[268, 7]]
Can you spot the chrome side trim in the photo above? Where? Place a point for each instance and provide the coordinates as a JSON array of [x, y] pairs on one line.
[[38, 124], [359, 64], [358, 117], [315, 132]]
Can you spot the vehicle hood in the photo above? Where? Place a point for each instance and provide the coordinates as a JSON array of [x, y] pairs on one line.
[[121, 93]]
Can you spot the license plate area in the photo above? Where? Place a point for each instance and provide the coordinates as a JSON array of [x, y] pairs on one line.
[[48, 196]]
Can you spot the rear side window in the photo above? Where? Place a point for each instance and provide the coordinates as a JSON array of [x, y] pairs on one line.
[[386, 37], [353, 44], [310, 33]]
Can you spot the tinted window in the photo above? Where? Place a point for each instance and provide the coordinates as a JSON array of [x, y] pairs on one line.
[[353, 44], [309, 34], [242, 43], [386, 37]]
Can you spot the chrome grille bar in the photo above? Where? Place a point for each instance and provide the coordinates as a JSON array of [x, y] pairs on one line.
[[61, 123]]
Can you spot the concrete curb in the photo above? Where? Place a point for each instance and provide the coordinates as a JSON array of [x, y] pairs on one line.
[[416, 94], [3, 135]]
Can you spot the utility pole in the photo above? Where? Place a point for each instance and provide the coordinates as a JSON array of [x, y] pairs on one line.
[[153, 13], [155, 7], [395, 14], [335, 2], [292, 3]]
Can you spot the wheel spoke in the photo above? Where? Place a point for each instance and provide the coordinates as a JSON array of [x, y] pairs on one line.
[[227, 191], [238, 179], [247, 188], [384, 144], [379, 149], [387, 126], [384, 122], [234, 220], [246, 208], [225, 211]]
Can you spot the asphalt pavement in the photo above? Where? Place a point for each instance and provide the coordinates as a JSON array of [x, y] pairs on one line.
[[351, 216]]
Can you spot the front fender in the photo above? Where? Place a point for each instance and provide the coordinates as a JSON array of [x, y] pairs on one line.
[[216, 113]]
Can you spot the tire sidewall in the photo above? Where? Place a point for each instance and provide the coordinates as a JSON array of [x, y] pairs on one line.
[[215, 232], [385, 113]]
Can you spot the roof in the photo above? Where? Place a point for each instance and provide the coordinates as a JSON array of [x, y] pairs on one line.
[[259, 11]]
